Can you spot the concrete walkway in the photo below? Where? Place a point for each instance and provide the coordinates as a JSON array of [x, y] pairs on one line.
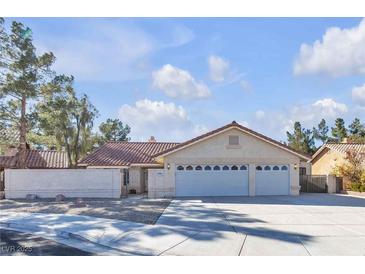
[[305, 225]]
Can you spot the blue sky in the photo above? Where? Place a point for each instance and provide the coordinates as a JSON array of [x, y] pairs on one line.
[[177, 78]]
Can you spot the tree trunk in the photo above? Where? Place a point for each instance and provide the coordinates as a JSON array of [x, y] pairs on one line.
[[68, 149], [22, 135]]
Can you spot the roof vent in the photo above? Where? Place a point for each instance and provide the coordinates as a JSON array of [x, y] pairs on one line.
[[234, 122], [345, 140], [152, 139]]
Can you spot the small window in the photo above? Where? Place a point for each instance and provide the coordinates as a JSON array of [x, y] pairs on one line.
[[258, 168], [207, 168], [243, 168], [234, 168], [198, 168], [275, 168], [267, 168], [233, 140], [180, 168], [284, 168], [189, 168], [225, 168], [217, 168]]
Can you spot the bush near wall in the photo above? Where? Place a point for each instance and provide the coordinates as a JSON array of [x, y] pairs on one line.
[[353, 171]]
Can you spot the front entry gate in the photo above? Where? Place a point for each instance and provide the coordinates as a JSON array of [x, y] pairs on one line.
[[313, 183]]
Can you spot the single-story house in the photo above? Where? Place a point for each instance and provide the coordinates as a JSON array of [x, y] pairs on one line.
[[332, 154], [232, 160]]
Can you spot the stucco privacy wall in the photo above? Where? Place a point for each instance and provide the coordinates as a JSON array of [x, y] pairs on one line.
[[216, 150], [158, 187], [47, 183]]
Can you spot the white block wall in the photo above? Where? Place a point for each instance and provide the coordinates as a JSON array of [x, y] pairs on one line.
[[47, 183], [158, 187]]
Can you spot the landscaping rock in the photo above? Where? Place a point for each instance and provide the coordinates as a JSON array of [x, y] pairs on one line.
[[60, 198], [31, 197]]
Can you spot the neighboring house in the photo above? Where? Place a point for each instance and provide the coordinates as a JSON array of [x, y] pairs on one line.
[[229, 161], [332, 154]]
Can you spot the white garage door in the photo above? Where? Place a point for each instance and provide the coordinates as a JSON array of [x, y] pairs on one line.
[[211, 180], [272, 180]]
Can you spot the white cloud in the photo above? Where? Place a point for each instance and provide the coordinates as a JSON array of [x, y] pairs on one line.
[[358, 95], [277, 123], [165, 121], [178, 83], [218, 68], [339, 52]]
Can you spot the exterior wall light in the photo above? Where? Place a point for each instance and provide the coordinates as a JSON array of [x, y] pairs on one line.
[[168, 166], [295, 166]]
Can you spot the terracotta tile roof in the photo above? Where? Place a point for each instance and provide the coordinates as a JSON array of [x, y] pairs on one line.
[[343, 147], [125, 153], [37, 159], [339, 147], [233, 124]]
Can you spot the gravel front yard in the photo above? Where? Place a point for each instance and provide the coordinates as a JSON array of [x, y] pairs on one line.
[[131, 209]]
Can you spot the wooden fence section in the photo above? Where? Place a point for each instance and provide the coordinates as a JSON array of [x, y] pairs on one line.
[[313, 183]]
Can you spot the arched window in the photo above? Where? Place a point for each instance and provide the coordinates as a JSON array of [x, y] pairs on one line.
[[207, 168], [284, 168], [189, 168], [258, 168], [275, 168], [180, 168], [225, 168], [217, 168], [234, 168], [243, 168], [198, 168], [267, 168]]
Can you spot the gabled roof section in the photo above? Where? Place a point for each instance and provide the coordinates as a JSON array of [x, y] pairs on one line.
[[234, 124], [125, 153], [340, 148]]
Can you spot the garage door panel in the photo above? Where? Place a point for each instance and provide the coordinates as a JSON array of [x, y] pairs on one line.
[[212, 183], [272, 182]]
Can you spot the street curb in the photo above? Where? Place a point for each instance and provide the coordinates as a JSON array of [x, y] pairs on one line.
[[65, 235]]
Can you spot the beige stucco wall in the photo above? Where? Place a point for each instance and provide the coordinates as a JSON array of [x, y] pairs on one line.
[[326, 161], [215, 150]]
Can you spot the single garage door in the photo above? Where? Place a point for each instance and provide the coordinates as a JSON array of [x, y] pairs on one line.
[[211, 180], [272, 180]]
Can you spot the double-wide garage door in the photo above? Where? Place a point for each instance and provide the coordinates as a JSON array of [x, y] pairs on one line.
[[230, 180], [211, 180]]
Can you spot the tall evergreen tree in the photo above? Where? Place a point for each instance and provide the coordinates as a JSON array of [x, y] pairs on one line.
[[301, 139], [114, 130], [339, 132], [321, 132], [67, 117], [22, 73]]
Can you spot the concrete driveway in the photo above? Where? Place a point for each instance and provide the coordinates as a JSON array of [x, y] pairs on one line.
[[311, 224]]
